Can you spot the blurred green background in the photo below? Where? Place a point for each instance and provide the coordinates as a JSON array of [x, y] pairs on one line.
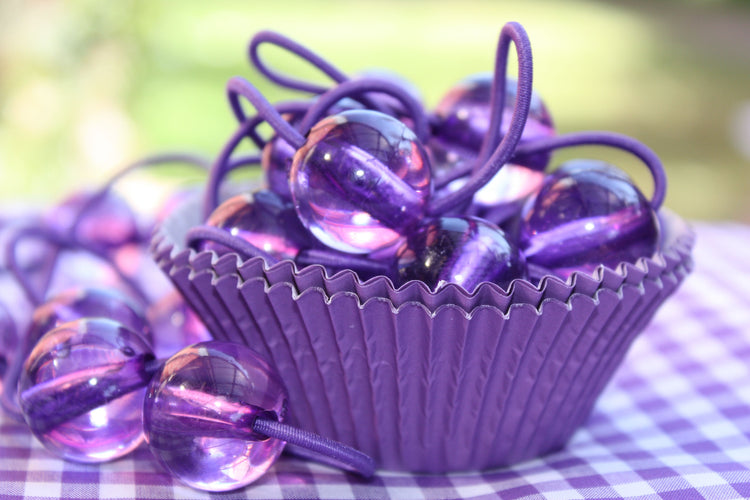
[[88, 86]]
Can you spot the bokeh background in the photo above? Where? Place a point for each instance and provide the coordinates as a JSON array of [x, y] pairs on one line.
[[88, 86]]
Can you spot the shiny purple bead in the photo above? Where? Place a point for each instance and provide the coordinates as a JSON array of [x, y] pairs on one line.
[[82, 388], [586, 214], [264, 220], [199, 412], [109, 222], [463, 118], [277, 155], [361, 179], [462, 250]]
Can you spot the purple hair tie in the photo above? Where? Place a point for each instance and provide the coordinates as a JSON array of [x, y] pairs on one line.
[[353, 88], [485, 170], [223, 165], [611, 139], [36, 298], [273, 38], [312, 446]]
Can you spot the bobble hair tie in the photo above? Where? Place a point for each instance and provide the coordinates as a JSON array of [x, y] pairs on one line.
[[88, 362]]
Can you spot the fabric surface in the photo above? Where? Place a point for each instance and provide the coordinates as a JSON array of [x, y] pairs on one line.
[[674, 423]]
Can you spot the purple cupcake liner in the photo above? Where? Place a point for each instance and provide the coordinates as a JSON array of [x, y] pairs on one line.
[[677, 241], [424, 381]]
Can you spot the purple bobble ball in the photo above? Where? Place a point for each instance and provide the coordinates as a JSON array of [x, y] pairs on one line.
[[264, 220], [361, 179], [587, 214], [199, 413], [82, 388], [462, 250]]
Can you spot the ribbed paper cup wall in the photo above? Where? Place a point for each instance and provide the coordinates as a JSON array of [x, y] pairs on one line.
[[424, 381]]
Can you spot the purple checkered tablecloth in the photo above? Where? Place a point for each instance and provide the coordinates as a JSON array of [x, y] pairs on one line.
[[674, 423]]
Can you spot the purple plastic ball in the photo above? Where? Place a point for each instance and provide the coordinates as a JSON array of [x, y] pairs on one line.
[[361, 179], [264, 220], [586, 214], [199, 412], [462, 119], [462, 250], [82, 388]]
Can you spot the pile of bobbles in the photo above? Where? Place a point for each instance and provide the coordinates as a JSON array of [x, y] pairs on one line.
[[430, 290]]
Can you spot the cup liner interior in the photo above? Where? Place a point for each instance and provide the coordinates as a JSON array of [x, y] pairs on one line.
[[430, 381]]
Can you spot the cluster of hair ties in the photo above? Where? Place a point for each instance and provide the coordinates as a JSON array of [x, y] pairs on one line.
[[358, 176], [86, 379]]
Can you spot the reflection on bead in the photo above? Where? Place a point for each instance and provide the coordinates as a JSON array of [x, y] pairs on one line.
[[361, 178], [587, 213], [263, 220], [82, 388], [199, 413], [461, 250]]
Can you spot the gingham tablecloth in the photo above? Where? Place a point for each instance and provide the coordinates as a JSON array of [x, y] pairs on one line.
[[674, 423]]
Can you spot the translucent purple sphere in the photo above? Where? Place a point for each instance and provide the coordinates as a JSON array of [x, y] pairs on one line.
[[462, 250], [264, 220], [199, 413], [82, 389], [587, 213], [360, 181]]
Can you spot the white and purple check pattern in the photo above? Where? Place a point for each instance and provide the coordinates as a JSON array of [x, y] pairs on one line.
[[674, 423]]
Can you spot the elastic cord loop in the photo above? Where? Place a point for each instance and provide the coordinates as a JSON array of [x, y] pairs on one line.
[[362, 86], [610, 139], [314, 446], [245, 250], [222, 166], [304, 53], [511, 32], [239, 87], [296, 108]]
